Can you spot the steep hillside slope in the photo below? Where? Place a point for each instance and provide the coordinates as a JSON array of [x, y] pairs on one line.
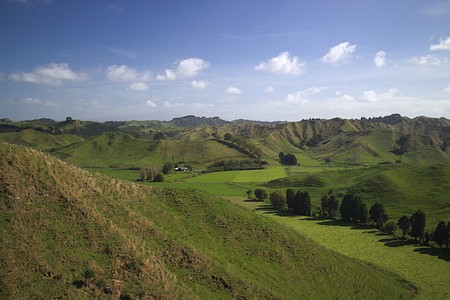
[[401, 188], [68, 233], [39, 140], [420, 140], [116, 149]]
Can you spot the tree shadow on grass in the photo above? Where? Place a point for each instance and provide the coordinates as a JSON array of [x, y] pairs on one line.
[[439, 253], [267, 208], [341, 224], [330, 222], [397, 242], [376, 232], [253, 200]]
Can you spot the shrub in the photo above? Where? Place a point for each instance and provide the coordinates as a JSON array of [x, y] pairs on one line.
[[390, 227], [278, 200], [261, 194], [159, 177]]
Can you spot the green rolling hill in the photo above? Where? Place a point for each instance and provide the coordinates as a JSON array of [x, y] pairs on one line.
[[67, 233], [116, 149], [40, 140], [418, 141]]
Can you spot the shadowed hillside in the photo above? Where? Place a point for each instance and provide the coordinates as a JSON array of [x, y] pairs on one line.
[[68, 233]]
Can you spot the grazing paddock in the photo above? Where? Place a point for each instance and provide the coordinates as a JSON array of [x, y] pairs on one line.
[[427, 268]]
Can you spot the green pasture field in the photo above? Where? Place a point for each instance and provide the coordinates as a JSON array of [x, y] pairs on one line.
[[263, 175], [425, 267], [401, 188], [213, 183], [307, 161]]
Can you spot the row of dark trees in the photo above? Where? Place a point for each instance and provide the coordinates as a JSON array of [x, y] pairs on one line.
[[353, 210], [229, 165], [296, 202], [442, 234]]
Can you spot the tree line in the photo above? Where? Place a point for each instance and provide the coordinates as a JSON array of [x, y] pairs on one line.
[[229, 165], [353, 210]]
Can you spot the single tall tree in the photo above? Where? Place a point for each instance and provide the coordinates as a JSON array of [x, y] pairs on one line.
[[404, 224], [346, 208], [361, 212], [290, 194], [324, 207], [261, 194], [441, 234], [278, 200], [305, 204], [378, 215], [333, 206], [329, 206], [353, 209], [418, 222]]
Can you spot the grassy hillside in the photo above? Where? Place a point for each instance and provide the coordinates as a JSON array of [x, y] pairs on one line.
[[420, 140], [68, 233], [426, 267], [39, 140], [402, 188], [122, 150]]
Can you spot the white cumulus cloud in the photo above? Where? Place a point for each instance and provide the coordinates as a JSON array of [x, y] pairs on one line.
[[284, 63], [51, 75], [443, 45], [31, 100], [302, 96], [447, 89], [269, 89], [190, 67], [150, 103], [201, 85], [147, 104], [233, 90], [373, 96], [139, 86], [380, 59], [125, 73], [339, 53], [429, 59]]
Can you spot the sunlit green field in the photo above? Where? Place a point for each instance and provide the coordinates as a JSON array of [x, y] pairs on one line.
[[426, 268], [263, 175], [402, 189]]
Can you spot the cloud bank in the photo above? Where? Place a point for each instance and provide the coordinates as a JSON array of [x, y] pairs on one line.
[[51, 75]]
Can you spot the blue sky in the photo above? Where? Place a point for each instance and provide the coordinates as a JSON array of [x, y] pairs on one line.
[[262, 60]]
